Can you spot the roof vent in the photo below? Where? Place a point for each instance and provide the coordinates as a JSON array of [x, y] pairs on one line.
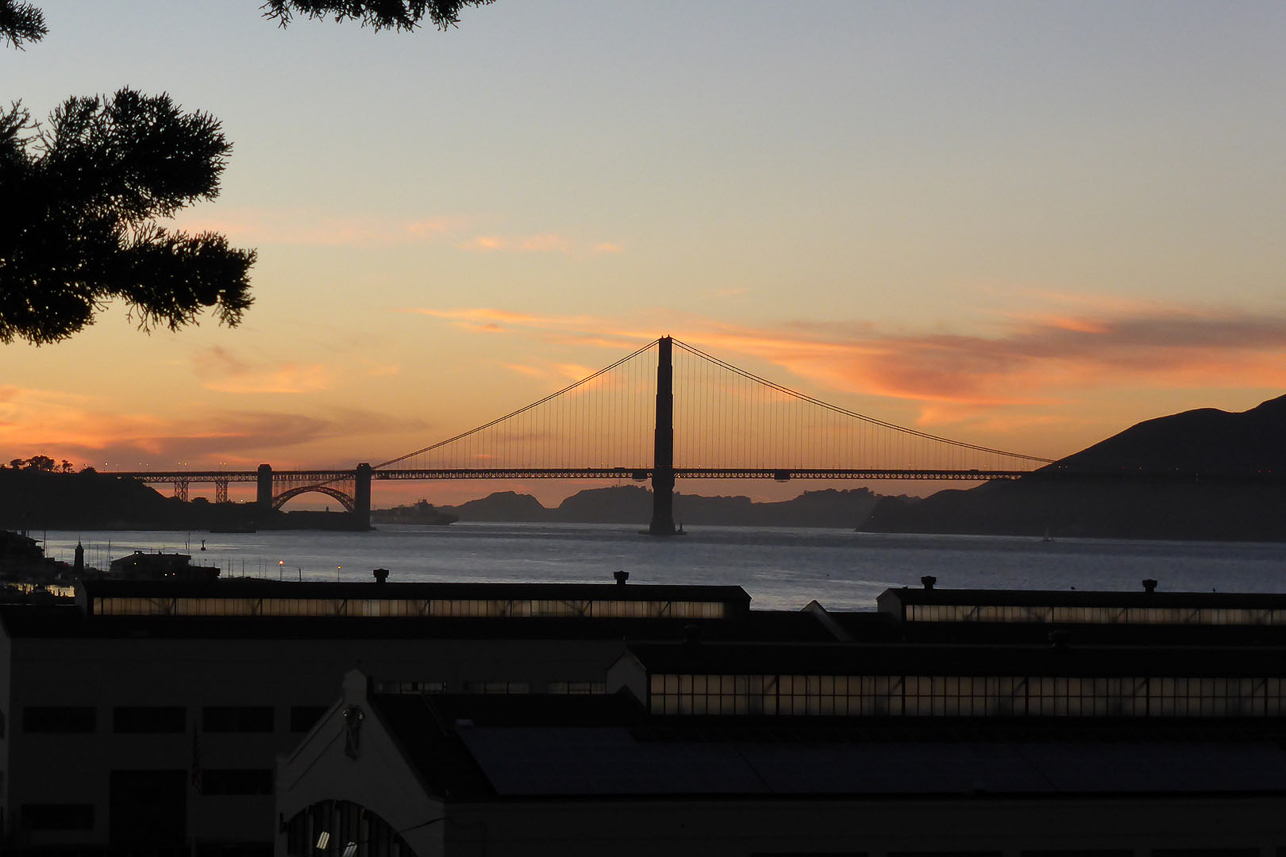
[[621, 576], [1149, 585], [928, 580], [381, 575]]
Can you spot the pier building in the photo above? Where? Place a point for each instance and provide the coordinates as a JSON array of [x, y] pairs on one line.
[[243, 717]]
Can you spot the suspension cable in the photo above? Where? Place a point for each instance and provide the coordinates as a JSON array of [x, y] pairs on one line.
[[854, 414], [522, 410]]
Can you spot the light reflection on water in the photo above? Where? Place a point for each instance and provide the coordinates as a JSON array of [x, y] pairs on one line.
[[780, 568]]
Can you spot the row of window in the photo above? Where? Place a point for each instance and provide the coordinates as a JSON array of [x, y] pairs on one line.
[[161, 719], [408, 607], [1093, 615], [968, 696]]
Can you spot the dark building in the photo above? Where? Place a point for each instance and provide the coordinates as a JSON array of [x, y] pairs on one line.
[[141, 565], [615, 718]]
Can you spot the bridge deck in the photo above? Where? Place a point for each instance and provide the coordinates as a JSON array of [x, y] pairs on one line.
[[641, 474]]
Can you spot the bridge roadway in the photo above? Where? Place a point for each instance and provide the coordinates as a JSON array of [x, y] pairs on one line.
[[642, 474], [638, 474]]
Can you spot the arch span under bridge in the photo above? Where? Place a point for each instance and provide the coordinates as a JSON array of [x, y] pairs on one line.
[[667, 411]]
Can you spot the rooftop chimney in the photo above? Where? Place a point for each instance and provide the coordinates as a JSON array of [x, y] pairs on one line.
[[381, 575], [621, 576], [1149, 585], [928, 580]]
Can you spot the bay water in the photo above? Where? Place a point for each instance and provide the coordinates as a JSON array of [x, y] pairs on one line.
[[781, 568]]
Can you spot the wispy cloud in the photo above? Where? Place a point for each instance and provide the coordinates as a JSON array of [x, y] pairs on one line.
[[529, 371], [544, 243], [314, 228], [303, 226], [484, 243], [489, 320], [221, 371]]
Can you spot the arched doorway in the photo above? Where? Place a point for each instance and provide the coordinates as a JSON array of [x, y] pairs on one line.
[[340, 828]]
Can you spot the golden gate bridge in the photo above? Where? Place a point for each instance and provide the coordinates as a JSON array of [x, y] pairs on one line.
[[667, 411]]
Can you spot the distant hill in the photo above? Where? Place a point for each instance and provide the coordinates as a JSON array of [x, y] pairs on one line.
[[1207, 440], [502, 506], [632, 504]]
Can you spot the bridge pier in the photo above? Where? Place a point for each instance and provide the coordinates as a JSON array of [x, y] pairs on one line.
[[263, 492], [362, 497], [663, 446]]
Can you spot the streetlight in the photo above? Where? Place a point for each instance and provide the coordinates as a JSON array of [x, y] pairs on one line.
[[281, 568]]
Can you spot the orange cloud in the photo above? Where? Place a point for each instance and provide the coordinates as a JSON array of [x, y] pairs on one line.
[[547, 242], [574, 371], [484, 242], [224, 373], [86, 430], [1033, 360]]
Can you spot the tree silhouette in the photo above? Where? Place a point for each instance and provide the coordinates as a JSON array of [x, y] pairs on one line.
[[23, 22], [20, 22], [379, 14], [82, 194]]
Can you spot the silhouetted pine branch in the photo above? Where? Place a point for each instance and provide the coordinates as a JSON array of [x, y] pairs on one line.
[[379, 14], [21, 22], [82, 194]]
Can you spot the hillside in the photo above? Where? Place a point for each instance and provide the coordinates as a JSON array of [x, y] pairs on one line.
[[1208, 441], [31, 499], [38, 500]]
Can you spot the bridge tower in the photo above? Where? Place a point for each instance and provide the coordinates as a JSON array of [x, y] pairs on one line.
[[263, 492], [362, 497], [663, 450]]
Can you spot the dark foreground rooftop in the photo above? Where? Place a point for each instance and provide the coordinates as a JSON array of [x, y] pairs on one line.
[[606, 747]]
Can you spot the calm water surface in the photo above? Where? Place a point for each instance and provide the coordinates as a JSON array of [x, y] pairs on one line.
[[780, 568]]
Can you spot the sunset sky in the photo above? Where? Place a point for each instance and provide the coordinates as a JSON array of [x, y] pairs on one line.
[[1022, 225]]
